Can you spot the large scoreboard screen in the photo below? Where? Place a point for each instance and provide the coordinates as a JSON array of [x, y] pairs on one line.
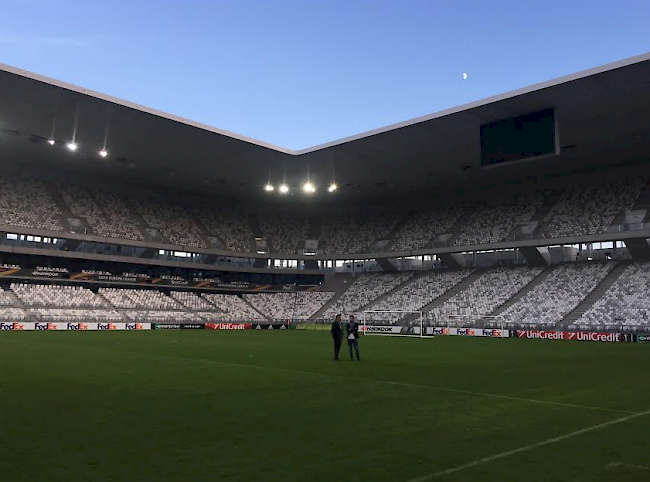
[[525, 137]]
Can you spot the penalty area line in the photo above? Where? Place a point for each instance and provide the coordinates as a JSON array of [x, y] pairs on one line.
[[502, 455]]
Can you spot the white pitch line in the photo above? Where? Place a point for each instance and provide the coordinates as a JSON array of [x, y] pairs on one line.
[[356, 379], [424, 478], [623, 464]]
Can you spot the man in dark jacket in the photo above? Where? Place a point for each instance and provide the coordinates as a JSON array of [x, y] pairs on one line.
[[353, 336], [337, 335]]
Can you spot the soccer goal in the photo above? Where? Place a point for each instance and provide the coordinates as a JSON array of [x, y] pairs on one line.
[[471, 320], [393, 323]]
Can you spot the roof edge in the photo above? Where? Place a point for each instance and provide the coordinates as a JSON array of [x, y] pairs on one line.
[[478, 103], [142, 108], [416, 120]]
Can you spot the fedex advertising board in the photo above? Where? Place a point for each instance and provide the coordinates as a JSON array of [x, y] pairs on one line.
[[45, 326]]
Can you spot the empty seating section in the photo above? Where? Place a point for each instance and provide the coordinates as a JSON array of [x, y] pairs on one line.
[[155, 316], [626, 302], [590, 210], [484, 295], [492, 220], [356, 232], [562, 290], [229, 225], [574, 211], [112, 220], [74, 315], [233, 307], [63, 296], [7, 298], [416, 294], [284, 232], [172, 220], [119, 215], [289, 306], [364, 290], [192, 301], [14, 314], [28, 204], [424, 225], [139, 299]]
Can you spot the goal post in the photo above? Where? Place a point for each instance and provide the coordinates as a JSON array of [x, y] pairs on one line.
[[471, 320], [393, 323]]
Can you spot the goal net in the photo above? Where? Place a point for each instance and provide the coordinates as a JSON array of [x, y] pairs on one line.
[[470, 320], [393, 323]]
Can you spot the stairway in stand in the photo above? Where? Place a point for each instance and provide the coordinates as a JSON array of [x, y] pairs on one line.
[[539, 279], [339, 284], [596, 294]]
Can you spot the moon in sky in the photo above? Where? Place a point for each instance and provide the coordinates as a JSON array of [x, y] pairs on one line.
[[464, 75]]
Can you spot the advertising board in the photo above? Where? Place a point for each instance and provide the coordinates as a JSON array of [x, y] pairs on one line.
[[571, 335]]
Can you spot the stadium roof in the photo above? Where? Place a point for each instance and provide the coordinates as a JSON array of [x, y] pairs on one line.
[[604, 115]]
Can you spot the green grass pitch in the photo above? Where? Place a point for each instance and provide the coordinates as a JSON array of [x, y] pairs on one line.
[[274, 406]]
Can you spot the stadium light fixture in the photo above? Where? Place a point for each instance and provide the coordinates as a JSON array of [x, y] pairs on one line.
[[72, 146], [50, 142], [284, 189], [333, 187], [103, 153], [269, 188], [309, 187]]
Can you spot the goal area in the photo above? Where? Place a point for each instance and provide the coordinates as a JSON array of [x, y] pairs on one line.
[[393, 323]]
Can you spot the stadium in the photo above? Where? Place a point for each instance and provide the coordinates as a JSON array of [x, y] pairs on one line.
[[503, 243]]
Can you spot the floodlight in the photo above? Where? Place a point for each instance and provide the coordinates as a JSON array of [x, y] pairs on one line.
[[50, 142], [103, 153], [284, 189], [268, 188], [333, 187], [72, 146], [308, 187]]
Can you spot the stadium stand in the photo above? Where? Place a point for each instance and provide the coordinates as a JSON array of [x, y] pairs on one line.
[[28, 204], [227, 224], [139, 299], [626, 303], [63, 296], [172, 220], [494, 219], [289, 306], [558, 294], [156, 316], [423, 225], [284, 232], [416, 294], [74, 315], [113, 220], [572, 212], [484, 295], [234, 307], [12, 314], [356, 232], [364, 290], [592, 209], [192, 301]]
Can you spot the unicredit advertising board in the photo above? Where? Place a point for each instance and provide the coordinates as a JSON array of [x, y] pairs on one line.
[[229, 326], [571, 335], [29, 326]]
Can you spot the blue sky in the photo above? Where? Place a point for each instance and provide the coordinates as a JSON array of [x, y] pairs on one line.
[[297, 73]]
